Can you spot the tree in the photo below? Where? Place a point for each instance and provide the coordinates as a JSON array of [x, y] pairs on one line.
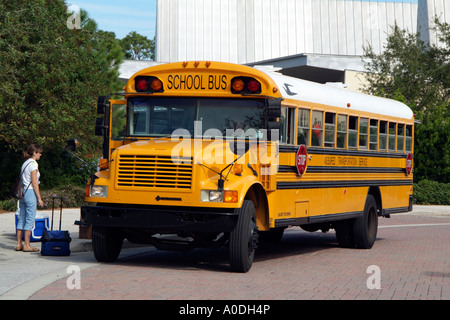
[[50, 77], [138, 47], [418, 74]]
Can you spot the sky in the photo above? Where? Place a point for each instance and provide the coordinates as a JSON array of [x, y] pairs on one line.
[[122, 17]]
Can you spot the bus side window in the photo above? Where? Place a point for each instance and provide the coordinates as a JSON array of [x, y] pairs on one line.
[[303, 127], [317, 128], [383, 135], [392, 136], [287, 125], [408, 138], [330, 124], [363, 132], [373, 142], [400, 137], [353, 132], [341, 131]]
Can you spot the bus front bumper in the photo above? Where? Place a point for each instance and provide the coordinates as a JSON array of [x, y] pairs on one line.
[[160, 219]]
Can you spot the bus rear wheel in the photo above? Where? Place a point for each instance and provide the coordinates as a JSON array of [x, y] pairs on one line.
[[243, 239], [106, 243], [366, 226]]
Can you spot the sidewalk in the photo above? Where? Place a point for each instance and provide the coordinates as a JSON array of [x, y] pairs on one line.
[[23, 273]]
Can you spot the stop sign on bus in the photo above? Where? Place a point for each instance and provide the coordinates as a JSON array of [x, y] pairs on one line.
[[300, 159]]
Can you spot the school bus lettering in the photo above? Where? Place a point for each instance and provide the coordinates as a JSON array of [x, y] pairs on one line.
[[196, 82]]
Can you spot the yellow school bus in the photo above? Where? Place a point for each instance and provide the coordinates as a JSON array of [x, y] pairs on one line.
[[210, 154]]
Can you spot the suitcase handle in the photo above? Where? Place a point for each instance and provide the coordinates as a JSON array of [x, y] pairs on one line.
[[60, 211]]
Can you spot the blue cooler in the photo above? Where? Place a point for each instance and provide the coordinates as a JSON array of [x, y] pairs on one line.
[[41, 224]]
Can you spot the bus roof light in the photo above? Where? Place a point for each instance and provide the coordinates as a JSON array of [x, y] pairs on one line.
[[253, 85], [244, 85], [156, 84], [141, 84], [238, 85]]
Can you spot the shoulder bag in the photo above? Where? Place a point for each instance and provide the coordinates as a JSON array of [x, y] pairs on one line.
[[17, 191]]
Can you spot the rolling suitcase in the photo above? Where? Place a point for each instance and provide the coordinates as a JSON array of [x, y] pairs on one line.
[[55, 243]]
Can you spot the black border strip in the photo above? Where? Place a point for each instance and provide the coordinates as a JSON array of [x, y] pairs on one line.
[[342, 184]]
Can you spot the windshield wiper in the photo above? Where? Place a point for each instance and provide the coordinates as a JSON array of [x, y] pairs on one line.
[[222, 179]]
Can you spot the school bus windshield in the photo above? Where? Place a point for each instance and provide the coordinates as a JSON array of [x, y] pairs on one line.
[[198, 116]]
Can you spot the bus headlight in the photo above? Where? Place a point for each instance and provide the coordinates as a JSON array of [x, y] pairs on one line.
[[219, 196], [211, 196], [99, 191]]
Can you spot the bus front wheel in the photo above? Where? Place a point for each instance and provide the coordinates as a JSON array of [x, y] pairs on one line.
[[106, 243], [244, 238]]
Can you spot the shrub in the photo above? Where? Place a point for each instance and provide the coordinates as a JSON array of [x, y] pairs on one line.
[[432, 192], [72, 197]]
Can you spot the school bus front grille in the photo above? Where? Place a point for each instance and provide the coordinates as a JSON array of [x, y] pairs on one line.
[[154, 172]]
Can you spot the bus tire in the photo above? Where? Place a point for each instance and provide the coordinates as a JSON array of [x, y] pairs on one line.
[[366, 226], [243, 239], [344, 233], [106, 243]]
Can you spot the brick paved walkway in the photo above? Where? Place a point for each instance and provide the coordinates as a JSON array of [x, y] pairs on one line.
[[412, 252]]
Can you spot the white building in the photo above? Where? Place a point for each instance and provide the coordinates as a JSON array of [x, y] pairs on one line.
[[319, 40]]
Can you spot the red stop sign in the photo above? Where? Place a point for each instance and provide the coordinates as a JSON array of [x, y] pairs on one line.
[[409, 160], [300, 159]]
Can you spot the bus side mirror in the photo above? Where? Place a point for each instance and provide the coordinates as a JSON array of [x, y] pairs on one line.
[[100, 127], [273, 113], [102, 104], [273, 109], [72, 145], [102, 109]]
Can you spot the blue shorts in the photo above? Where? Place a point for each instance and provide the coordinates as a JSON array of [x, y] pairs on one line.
[[28, 207]]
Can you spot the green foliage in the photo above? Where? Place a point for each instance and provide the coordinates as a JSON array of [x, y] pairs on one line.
[[418, 75], [51, 75], [138, 47], [432, 192], [50, 78], [72, 197]]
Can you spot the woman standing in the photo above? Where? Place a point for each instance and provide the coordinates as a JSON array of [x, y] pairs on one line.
[[32, 197]]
